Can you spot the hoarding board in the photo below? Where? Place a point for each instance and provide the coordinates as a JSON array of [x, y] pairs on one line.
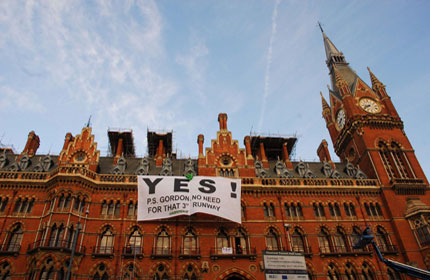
[[161, 197], [280, 265]]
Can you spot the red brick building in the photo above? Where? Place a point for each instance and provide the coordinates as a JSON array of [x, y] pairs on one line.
[[317, 208]]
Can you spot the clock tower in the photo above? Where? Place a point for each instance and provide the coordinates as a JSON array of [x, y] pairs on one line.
[[367, 131]]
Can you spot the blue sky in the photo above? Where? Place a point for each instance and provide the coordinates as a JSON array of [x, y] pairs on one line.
[[174, 65]]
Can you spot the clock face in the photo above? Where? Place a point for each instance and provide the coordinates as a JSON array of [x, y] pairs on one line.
[[369, 105], [80, 157], [341, 118]]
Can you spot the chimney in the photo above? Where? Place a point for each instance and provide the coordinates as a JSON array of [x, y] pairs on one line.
[[286, 156], [200, 141], [119, 150], [248, 150], [222, 119], [160, 154], [324, 154], [32, 144], [69, 138], [263, 156]]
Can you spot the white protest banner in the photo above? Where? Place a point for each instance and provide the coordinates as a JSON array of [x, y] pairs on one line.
[[161, 197]]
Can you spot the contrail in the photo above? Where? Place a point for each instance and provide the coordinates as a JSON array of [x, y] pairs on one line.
[[268, 64]]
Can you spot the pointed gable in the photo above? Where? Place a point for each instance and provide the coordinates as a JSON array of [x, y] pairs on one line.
[[82, 150], [224, 154]]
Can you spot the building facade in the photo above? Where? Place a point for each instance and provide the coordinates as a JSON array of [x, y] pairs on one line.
[[315, 208]]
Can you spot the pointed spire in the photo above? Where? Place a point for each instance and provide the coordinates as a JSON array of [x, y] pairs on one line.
[[325, 105], [340, 81], [376, 84], [332, 53]]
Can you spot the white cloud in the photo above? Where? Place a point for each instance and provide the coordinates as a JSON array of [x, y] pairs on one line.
[[195, 65], [21, 100], [268, 64]]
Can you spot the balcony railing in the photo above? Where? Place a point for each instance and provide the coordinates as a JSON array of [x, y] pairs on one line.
[[103, 251], [233, 252], [10, 249], [310, 182], [190, 253], [343, 250], [132, 251], [161, 252], [306, 250], [388, 249], [64, 245]]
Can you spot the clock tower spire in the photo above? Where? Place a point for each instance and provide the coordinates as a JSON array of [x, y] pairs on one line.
[[367, 131]]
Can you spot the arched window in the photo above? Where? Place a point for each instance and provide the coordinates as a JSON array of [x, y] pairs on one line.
[[355, 237], [162, 244], [106, 241], [5, 271], [366, 272], [190, 274], [47, 271], [318, 210], [69, 240], [15, 238], [352, 210], [132, 209], [130, 272], [3, 203], [393, 275], [243, 211], [111, 208], [161, 273], [241, 243], [350, 272], [61, 201], [104, 208], [269, 209], [333, 273], [190, 243], [386, 159], [400, 161], [383, 240], [135, 242], [61, 274], [222, 241], [298, 241], [422, 230], [56, 235], [67, 202], [340, 242], [324, 241], [378, 210], [272, 240], [101, 273]]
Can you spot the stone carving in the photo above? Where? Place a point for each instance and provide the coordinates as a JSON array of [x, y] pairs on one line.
[[143, 167], [120, 166], [166, 168], [327, 169], [3, 160], [44, 164], [281, 170], [189, 168], [349, 169], [335, 174], [304, 170], [359, 174], [24, 162], [259, 170]]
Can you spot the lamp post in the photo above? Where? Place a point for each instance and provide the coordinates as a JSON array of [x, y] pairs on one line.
[[75, 240]]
